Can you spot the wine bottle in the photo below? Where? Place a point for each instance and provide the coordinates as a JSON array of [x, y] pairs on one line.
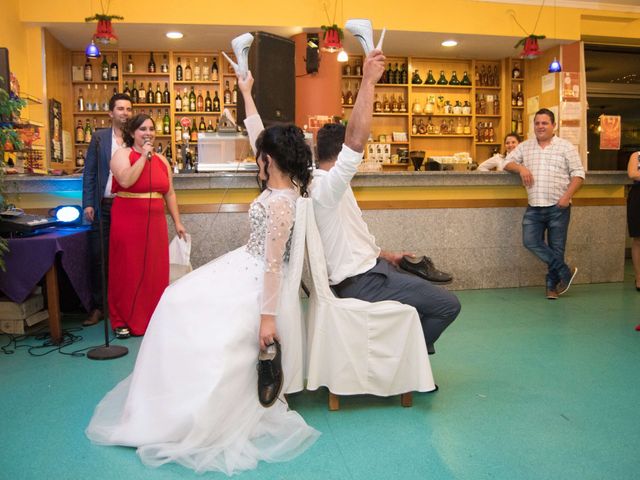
[[79, 132], [134, 94], [158, 95], [199, 102], [104, 69], [188, 72], [520, 96], [151, 98], [88, 72], [126, 89], [192, 99], [166, 123], [205, 70], [202, 126], [166, 96], [216, 102], [178, 102], [208, 104], [196, 71], [164, 67], [209, 126], [405, 75], [130, 66], [214, 71], [151, 67], [179, 71], [88, 133], [234, 93], [80, 101], [227, 93], [142, 95], [113, 70]]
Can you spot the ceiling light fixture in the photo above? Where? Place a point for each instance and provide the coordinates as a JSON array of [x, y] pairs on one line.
[[174, 35], [92, 50], [343, 57], [449, 43]]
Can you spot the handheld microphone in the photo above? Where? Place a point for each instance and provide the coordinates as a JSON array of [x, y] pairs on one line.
[[149, 155]]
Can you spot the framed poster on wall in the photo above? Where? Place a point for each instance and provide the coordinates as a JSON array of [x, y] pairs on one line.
[[55, 130]]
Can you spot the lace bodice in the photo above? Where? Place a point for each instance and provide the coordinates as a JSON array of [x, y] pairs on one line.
[[271, 216]]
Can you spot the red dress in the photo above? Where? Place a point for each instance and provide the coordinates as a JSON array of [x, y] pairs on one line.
[[138, 249]]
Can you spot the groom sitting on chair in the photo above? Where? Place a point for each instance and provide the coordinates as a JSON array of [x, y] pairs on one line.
[[357, 267]]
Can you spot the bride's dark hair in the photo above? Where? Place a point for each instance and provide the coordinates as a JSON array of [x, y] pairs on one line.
[[286, 145], [132, 125]]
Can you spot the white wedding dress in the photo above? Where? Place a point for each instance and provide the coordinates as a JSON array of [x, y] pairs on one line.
[[192, 397]]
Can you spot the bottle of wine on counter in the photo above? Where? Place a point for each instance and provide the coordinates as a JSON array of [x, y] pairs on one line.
[[179, 71], [88, 71], [193, 135], [178, 132], [405, 75], [151, 67], [104, 69]]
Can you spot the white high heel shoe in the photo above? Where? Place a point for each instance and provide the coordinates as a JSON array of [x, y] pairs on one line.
[[240, 45], [362, 29]]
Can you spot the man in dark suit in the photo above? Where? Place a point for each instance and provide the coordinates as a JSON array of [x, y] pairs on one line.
[[97, 197]]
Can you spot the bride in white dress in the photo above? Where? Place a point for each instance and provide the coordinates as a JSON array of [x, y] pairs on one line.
[[192, 397]]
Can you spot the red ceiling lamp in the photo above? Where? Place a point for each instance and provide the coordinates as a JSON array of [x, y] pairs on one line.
[[104, 31], [531, 49], [332, 38]]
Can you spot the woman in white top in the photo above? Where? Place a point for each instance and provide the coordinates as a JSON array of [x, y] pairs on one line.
[[511, 141]]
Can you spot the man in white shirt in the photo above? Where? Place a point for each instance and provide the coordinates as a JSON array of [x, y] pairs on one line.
[[552, 173], [97, 197], [357, 267]]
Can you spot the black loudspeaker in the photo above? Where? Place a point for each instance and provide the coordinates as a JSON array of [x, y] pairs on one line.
[[4, 68], [272, 64]]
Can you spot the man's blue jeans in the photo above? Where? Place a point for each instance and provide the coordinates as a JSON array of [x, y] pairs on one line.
[[555, 222]]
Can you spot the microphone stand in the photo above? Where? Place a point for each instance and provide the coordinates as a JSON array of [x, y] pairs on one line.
[[105, 352]]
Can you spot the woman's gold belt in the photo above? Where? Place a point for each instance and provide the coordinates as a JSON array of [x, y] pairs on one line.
[[139, 195]]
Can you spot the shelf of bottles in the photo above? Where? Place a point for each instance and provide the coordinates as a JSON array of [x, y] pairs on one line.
[[488, 108], [167, 86], [516, 111]]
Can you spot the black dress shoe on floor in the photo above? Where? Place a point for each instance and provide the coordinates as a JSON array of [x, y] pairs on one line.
[[423, 267], [270, 376]]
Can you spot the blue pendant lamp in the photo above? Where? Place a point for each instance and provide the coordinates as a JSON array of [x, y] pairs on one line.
[[92, 50], [555, 67]]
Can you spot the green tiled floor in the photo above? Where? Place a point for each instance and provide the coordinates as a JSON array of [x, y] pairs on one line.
[[529, 389]]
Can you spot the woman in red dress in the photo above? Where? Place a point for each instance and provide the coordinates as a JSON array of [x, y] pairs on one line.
[[139, 245]]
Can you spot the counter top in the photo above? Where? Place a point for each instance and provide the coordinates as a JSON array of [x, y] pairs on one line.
[[244, 180]]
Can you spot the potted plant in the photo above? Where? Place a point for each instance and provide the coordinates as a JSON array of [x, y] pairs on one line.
[[10, 106]]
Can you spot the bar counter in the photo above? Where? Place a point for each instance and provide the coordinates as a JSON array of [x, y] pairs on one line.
[[469, 223]]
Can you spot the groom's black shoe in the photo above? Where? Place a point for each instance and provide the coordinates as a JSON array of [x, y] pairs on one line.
[[423, 267], [270, 374]]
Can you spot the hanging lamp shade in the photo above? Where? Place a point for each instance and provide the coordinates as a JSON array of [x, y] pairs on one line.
[[331, 40], [555, 67], [530, 46], [104, 33], [92, 50]]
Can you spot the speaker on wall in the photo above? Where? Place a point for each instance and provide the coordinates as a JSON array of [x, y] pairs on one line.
[[4, 68], [272, 64]]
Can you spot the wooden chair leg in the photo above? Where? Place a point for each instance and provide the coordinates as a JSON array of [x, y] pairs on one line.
[[406, 399], [334, 402]]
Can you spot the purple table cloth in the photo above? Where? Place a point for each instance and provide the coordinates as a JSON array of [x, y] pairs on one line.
[[30, 258]]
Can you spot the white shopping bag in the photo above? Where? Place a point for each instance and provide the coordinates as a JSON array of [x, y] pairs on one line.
[[179, 257]]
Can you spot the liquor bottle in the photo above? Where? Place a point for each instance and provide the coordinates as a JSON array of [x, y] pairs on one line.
[[491, 79], [185, 100], [192, 100], [113, 70], [430, 80], [104, 69], [348, 97], [159, 123], [415, 78], [347, 70], [88, 72], [142, 95], [196, 71], [496, 77], [496, 105], [442, 80], [130, 66], [158, 98], [358, 68], [459, 127], [193, 134], [234, 93], [151, 98], [216, 102], [388, 75], [134, 94], [520, 96], [396, 75], [519, 127], [96, 101], [79, 132], [514, 122], [166, 123], [80, 158], [164, 66], [210, 126], [514, 98], [404, 78], [88, 133], [126, 89], [485, 77], [178, 132], [214, 70], [105, 99], [205, 70], [477, 77], [202, 126], [466, 81], [227, 93], [515, 73], [386, 106], [377, 106], [414, 127], [466, 129], [199, 102], [492, 133], [394, 104], [454, 79], [80, 101], [166, 96], [179, 71], [430, 126], [151, 67], [402, 105], [178, 102], [187, 72], [208, 104]]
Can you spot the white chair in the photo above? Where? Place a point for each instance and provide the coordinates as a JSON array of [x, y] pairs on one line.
[[357, 347]]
